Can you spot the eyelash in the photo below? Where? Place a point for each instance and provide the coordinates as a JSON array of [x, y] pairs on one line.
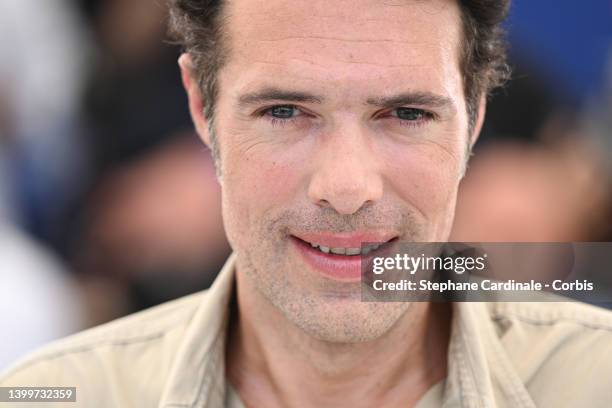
[[278, 122], [426, 117]]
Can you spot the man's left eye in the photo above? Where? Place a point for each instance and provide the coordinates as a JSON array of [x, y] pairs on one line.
[[411, 114]]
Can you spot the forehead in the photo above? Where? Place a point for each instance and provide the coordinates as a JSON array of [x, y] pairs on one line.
[[345, 41]]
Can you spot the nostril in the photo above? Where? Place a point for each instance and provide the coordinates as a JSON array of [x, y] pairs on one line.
[[324, 203]]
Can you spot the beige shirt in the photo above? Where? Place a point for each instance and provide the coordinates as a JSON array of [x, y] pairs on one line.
[[172, 356]]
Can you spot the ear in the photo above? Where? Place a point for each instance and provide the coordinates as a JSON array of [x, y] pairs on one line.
[[194, 96], [482, 108]]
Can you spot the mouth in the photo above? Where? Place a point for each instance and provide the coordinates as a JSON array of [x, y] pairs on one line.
[[340, 257]]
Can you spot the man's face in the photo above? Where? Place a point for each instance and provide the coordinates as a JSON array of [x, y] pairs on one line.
[[338, 122]]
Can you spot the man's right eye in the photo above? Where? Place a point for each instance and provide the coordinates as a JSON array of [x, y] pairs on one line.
[[283, 111]]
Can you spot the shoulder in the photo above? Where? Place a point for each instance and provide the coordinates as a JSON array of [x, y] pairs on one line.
[[113, 361], [561, 350]]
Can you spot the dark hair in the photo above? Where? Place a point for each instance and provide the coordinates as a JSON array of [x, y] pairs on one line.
[[197, 25], [484, 50]]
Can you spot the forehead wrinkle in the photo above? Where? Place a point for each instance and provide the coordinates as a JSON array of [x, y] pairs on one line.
[[268, 20], [331, 38], [326, 60]]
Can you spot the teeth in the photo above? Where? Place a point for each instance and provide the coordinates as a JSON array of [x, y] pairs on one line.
[[346, 251], [353, 251]]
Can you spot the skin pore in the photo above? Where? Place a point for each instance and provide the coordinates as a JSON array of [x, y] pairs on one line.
[[335, 119]]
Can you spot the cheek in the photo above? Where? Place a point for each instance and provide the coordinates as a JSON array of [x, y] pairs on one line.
[[426, 176], [257, 183]]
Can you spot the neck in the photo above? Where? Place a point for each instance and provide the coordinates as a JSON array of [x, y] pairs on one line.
[[273, 363]]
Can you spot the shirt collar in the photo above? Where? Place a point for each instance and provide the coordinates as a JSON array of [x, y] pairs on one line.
[[197, 376], [479, 371]]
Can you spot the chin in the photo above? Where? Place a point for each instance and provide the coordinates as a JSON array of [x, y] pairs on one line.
[[343, 321]]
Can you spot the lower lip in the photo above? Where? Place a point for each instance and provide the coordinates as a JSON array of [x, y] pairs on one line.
[[339, 267]]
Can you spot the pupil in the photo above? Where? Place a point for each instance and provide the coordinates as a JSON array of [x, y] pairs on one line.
[[409, 114], [284, 112]]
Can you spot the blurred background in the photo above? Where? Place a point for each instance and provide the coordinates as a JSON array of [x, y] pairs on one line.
[[109, 203]]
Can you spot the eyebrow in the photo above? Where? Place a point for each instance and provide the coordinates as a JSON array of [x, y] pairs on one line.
[[416, 99], [275, 94]]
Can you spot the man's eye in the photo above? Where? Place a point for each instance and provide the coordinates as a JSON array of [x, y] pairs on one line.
[[411, 114], [283, 111]]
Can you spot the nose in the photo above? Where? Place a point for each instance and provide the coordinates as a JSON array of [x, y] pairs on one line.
[[346, 177]]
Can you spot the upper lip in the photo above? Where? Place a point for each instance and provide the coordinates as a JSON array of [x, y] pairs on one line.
[[345, 239]]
